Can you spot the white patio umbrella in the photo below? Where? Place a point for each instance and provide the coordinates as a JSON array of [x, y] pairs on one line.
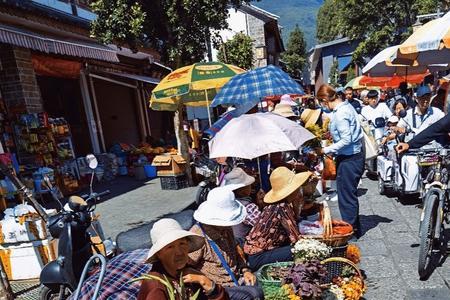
[[382, 66], [254, 135], [429, 44]]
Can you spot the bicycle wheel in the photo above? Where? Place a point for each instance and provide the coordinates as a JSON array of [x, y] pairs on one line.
[[427, 233]]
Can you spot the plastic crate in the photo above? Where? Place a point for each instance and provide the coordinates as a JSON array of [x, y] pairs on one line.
[[174, 182]]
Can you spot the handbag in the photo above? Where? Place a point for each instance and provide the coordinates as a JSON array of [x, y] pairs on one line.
[[329, 168], [370, 146]]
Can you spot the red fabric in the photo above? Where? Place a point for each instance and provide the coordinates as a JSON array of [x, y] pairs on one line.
[[392, 81], [55, 67]]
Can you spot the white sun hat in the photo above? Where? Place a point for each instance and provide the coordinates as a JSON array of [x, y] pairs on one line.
[[220, 209], [237, 178], [166, 231], [287, 100]]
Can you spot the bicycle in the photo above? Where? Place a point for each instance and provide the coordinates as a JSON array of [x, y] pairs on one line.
[[436, 211]]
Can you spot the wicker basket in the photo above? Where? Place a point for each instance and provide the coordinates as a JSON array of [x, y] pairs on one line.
[[328, 237], [334, 267], [270, 285]]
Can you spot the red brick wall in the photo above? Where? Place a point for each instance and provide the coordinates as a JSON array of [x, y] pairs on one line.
[[18, 80]]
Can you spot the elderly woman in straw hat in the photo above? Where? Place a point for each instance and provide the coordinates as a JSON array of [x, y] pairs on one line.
[[269, 241], [241, 185], [219, 258], [169, 256]]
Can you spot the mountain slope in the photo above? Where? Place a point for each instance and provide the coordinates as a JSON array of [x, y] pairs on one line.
[[291, 12]]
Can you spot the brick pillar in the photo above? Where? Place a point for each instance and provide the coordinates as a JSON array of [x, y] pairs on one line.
[[18, 80]]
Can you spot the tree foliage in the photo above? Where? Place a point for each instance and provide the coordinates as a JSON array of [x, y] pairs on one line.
[[334, 74], [351, 73], [179, 30], [295, 55], [376, 23], [237, 51]]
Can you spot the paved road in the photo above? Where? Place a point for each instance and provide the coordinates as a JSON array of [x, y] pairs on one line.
[[390, 248]]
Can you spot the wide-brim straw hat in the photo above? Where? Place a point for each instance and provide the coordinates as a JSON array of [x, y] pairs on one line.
[[284, 182], [220, 209], [284, 110], [166, 231], [310, 116], [237, 178]]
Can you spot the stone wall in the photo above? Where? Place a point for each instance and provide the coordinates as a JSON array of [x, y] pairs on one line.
[[256, 32], [18, 83]]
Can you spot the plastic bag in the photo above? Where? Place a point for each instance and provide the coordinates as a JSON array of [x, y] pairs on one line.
[[310, 228]]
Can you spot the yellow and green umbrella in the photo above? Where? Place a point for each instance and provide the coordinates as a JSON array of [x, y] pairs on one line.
[[194, 85]]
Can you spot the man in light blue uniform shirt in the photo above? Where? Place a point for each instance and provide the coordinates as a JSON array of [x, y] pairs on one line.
[[347, 148]]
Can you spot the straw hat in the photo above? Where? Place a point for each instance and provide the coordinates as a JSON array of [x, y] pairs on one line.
[[166, 231], [284, 110], [284, 182], [221, 209], [310, 116], [237, 178]]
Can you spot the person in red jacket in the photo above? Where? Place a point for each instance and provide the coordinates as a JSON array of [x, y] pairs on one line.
[[169, 256]]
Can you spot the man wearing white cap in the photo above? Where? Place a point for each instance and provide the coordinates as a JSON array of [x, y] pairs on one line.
[[219, 259]]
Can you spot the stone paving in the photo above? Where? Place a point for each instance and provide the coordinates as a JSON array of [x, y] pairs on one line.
[[390, 249]]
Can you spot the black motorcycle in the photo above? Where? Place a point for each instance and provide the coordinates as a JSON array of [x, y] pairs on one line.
[[71, 225]]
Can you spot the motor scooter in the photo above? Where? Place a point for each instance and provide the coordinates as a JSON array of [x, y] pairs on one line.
[[72, 225]]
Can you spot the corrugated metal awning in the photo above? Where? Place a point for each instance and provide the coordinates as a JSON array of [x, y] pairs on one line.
[[137, 77], [22, 38]]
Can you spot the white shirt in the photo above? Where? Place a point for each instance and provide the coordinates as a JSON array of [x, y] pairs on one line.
[[379, 111], [421, 122]]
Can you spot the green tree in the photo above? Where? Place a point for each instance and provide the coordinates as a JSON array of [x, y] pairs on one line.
[[237, 51], [351, 73], [179, 30], [295, 55], [376, 23], [329, 25], [334, 74]]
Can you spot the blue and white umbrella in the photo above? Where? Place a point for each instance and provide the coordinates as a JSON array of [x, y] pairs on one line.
[[251, 87]]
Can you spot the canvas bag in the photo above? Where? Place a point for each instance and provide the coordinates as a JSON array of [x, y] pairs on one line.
[[370, 145]]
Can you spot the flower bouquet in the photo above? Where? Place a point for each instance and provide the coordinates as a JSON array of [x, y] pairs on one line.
[[306, 250]]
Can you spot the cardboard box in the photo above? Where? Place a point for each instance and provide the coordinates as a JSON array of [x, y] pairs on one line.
[[11, 231], [26, 260], [169, 165]]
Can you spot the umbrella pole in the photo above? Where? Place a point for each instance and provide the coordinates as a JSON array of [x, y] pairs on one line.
[[207, 108], [259, 173]]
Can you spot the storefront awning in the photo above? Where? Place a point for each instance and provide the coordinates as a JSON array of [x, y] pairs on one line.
[[142, 78], [23, 38]]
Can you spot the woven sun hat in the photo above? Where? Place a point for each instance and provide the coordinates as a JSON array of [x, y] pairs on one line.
[[237, 178], [220, 209], [284, 182], [166, 231], [310, 116], [284, 110], [287, 100]]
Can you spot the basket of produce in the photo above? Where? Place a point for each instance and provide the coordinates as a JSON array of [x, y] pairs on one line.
[[270, 276], [347, 284], [335, 233]]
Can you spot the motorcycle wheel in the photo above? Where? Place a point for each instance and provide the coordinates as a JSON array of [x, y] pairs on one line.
[[427, 232], [202, 193], [47, 293]]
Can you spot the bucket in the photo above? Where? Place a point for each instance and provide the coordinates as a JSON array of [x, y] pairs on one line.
[[150, 171]]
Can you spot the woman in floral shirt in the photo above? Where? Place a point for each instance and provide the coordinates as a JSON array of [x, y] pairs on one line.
[[269, 240]]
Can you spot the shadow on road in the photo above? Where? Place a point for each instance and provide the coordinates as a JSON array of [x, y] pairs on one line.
[[371, 221]]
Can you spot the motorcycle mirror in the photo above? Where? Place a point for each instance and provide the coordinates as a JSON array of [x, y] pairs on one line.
[[402, 113], [380, 122], [77, 203], [92, 161]]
